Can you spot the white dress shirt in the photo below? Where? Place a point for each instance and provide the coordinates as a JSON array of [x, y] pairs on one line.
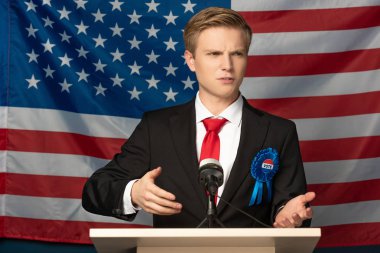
[[229, 137], [229, 134]]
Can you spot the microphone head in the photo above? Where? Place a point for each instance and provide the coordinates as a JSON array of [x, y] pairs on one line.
[[209, 161], [210, 174]]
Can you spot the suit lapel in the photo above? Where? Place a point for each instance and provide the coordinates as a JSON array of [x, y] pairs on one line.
[[253, 133], [183, 132]]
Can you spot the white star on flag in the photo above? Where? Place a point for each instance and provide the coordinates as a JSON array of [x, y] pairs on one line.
[[32, 82], [117, 80], [152, 82], [117, 55], [33, 56], [135, 68], [170, 70], [134, 17], [49, 72], [100, 90], [31, 31], [134, 93], [65, 60], [99, 16], [116, 5], [48, 46], [99, 66], [152, 32], [170, 44], [188, 83], [82, 28], [152, 6], [152, 57], [99, 41], [82, 76], [170, 95], [65, 86], [116, 30], [64, 13], [170, 18]]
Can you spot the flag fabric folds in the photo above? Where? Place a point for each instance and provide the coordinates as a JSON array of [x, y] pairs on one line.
[[76, 77]]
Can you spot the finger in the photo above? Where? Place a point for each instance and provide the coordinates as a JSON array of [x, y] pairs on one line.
[[308, 197], [161, 192], [283, 223], [297, 220], [309, 213], [151, 197], [154, 208], [153, 174], [278, 225], [287, 223]]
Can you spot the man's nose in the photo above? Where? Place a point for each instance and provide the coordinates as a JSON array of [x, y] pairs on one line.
[[226, 63]]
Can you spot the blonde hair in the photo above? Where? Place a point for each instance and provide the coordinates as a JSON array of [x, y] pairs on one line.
[[214, 17]]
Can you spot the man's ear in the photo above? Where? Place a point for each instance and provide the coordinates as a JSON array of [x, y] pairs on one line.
[[190, 60]]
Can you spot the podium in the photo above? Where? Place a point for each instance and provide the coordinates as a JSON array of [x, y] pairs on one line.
[[202, 240]]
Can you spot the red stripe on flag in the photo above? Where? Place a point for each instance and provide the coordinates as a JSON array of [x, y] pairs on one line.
[[340, 149], [313, 20], [350, 235], [321, 106], [340, 193], [64, 143], [42, 185], [55, 230], [327, 194], [2, 182], [313, 64], [3, 139]]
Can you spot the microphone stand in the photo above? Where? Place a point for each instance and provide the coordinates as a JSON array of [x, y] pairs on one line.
[[211, 217], [211, 177]]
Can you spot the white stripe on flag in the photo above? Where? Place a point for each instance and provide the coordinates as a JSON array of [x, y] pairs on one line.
[[314, 42], [62, 121], [3, 156], [53, 164], [310, 86], [3, 116], [266, 5], [358, 212], [338, 127], [59, 209], [342, 171]]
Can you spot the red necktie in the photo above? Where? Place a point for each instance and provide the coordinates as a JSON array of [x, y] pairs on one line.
[[211, 143]]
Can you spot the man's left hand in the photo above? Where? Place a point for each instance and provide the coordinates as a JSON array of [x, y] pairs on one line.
[[295, 212]]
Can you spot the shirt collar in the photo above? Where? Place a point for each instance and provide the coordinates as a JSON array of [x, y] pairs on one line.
[[232, 113]]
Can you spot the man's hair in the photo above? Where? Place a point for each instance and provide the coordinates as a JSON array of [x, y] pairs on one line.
[[214, 17]]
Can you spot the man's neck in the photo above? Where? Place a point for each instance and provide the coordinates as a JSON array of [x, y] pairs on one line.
[[217, 105]]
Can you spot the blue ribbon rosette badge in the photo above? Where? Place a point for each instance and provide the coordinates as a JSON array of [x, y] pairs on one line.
[[263, 168]]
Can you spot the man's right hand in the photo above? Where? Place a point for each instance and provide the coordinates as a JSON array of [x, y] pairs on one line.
[[152, 198]]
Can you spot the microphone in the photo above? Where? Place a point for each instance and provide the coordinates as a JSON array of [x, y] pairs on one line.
[[210, 175]]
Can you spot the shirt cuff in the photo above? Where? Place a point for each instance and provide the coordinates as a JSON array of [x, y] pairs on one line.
[[129, 208], [278, 210]]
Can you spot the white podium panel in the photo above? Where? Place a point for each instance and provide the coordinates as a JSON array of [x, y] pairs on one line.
[[221, 240]]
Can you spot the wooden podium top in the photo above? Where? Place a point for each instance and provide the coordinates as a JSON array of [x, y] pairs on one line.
[[292, 240]]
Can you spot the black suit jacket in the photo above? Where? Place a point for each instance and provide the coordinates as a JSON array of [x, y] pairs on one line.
[[167, 137]]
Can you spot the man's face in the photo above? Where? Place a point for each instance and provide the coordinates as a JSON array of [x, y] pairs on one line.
[[219, 63]]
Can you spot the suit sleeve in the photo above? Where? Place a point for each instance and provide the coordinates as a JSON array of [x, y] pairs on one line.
[[103, 191], [290, 180]]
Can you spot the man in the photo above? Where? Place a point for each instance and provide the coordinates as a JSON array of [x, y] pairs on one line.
[[157, 169]]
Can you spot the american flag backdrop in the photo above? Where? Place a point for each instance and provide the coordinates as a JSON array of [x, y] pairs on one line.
[[76, 76]]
